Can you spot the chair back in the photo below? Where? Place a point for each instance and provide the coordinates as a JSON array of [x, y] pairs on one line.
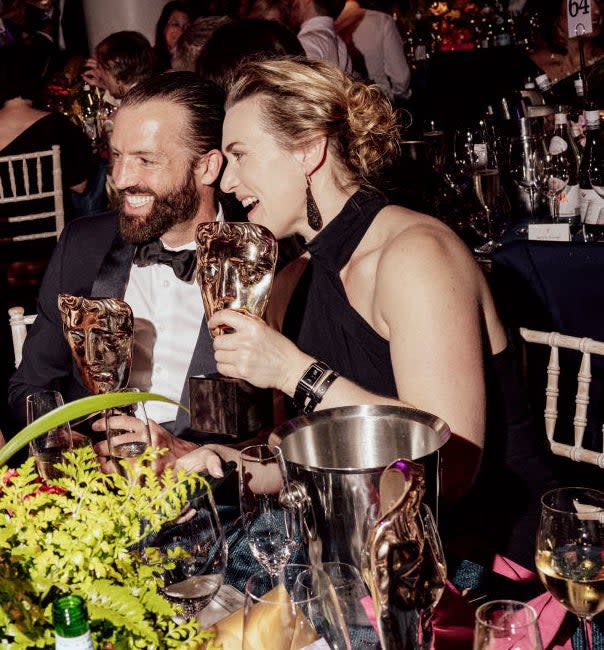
[[586, 347], [22, 179], [19, 321]]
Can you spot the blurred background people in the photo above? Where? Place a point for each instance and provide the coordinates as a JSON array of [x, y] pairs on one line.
[[278, 10], [173, 21], [315, 21], [242, 40], [376, 48], [194, 39], [25, 128], [120, 61], [558, 55]]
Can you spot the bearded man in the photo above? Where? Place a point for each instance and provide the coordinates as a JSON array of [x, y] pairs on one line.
[[166, 166]]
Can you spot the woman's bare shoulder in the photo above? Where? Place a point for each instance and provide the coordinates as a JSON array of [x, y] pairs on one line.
[[417, 235]]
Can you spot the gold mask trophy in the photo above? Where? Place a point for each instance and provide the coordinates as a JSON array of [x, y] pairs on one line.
[[403, 560], [99, 332], [235, 269]]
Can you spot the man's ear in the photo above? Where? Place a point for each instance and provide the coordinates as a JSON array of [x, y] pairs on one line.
[[208, 167], [312, 155]]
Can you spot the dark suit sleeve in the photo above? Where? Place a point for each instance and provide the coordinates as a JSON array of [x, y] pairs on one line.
[[47, 362], [46, 356]]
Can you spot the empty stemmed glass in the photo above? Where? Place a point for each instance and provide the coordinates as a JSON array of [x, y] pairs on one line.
[[267, 521], [522, 169], [302, 611], [552, 172], [506, 625], [570, 551]]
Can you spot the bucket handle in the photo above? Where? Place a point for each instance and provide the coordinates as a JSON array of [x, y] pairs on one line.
[[295, 497]]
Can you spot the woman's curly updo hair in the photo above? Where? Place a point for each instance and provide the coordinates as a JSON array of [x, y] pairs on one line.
[[305, 99]]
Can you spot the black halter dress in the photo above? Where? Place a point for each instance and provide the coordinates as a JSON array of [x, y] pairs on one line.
[[321, 321]]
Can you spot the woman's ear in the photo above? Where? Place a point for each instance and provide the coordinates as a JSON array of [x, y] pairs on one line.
[[208, 167], [312, 155]]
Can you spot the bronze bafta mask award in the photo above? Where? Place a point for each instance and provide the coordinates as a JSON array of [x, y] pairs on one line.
[[99, 332], [403, 560], [235, 269]]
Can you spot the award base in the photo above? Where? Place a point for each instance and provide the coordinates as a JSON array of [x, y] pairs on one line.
[[230, 407]]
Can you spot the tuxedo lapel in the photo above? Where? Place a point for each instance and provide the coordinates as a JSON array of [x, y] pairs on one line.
[[113, 275]]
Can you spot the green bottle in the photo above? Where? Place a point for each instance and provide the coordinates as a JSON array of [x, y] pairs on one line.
[[70, 620]]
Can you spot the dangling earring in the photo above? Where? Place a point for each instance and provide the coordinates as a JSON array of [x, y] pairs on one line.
[[315, 221]]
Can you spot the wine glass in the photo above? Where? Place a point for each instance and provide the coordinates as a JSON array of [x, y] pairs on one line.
[[522, 170], [267, 521], [552, 172], [354, 600], [487, 188], [195, 545], [433, 135], [506, 625], [49, 448], [128, 434], [570, 551], [302, 609]]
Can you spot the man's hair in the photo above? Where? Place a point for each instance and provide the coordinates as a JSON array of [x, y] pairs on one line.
[[194, 39], [332, 8], [128, 56], [203, 102]]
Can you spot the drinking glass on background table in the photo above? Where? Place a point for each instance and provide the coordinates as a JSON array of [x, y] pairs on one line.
[[128, 434], [268, 523], [522, 170], [552, 172], [303, 608], [49, 448], [570, 551], [433, 135], [506, 625]]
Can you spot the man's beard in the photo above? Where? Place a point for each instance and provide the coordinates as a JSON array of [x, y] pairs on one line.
[[177, 206]]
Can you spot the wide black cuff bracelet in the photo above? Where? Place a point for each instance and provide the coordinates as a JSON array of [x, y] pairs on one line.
[[308, 382], [316, 395]]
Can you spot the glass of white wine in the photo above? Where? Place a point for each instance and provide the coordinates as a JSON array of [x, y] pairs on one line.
[[570, 551], [49, 448], [128, 434]]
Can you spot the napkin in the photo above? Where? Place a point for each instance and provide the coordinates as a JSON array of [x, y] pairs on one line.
[[270, 625]]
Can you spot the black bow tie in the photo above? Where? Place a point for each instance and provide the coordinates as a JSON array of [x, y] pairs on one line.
[[183, 262]]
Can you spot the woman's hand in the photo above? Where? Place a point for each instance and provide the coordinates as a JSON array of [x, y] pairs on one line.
[[257, 353], [207, 458]]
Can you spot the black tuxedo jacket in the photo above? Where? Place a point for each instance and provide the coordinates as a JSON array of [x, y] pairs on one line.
[[91, 259]]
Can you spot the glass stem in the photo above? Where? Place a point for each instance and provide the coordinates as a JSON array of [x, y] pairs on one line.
[[532, 202], [583, 626]]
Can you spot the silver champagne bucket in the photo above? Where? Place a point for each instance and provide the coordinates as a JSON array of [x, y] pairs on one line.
[[335, 458]]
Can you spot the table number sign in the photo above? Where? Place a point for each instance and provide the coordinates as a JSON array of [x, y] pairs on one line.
[[579, 18]]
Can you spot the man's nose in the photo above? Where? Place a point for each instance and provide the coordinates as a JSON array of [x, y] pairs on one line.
[[123, 174]]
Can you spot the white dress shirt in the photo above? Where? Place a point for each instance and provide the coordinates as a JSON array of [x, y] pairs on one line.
[[168, 313], [321, 43], [376, 36]]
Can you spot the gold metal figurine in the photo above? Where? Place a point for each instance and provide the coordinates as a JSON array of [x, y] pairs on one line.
[[235, 268], [99, 332]]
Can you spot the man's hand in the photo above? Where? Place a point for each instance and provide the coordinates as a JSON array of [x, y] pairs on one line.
[[160, 437]]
